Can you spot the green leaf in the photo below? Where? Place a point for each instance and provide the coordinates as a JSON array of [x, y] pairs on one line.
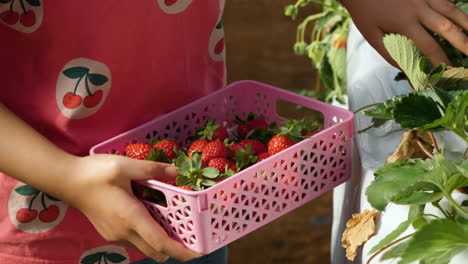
[[407, 56], [324, 19], [184, 164], [115, 257], [419, 193], [211, 173], [414, 212], [75, 72], [454, 78], [182, 180], [395, 252], [26, 190], [208, 183], [455, 118], [92, 259], [392, 179], [34, 2], [196, 160], [415, 110], [97, 79], [436, 74], [436, 242]]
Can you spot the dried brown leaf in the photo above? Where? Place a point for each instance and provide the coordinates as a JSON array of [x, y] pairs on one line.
[[409, 148], [358, 230]]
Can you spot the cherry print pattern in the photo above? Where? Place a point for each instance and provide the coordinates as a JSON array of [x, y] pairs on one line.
[[105, 254], [22, 15], [174, 6], [82, 88], [34, 211]]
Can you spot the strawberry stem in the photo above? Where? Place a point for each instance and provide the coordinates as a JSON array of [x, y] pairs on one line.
[[387, 246], [23, 7], [32, 200]]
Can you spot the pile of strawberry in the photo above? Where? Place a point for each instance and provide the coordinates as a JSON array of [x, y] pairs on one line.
[[214, 155]]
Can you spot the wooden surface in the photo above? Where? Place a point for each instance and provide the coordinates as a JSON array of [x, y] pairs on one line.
[[259, 41]]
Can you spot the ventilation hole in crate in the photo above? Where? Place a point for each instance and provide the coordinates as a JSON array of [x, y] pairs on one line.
[[342, 175], [187, 211], [148, 136], [322, 185], [268, 105], [316, 189]]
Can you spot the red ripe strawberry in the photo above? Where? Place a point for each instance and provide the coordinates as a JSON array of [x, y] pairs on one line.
[[244, 128], [279, 143], [185, 187], [257, 146], [197, 145], [138, 150], [263, 156], [221, 164], [214, 149], [168, 147], [220, 134]]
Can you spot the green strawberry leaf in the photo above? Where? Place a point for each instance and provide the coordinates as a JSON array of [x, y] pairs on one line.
[[436, 242], [92, 259], [97, 79], [196, 160], [76, 72], [182, 180], [395, 252], [26, 190], [454, 78], [184, 164], [392, 179], [407, 56], [414, 213], [415, 110], [208, 183], [34, 2], [115, 257], [211, 173]]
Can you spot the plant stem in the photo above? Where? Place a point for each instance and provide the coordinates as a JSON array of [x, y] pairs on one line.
[[437, 205], [424, 149], [389, 245], [365, 129], [465, 154], [455, 204], [365, 107], [434, 142], [435, 216]]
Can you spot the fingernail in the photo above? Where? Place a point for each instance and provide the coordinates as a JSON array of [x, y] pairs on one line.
[[171, 170]]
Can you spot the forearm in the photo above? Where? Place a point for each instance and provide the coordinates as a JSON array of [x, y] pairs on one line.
[[31, 158]]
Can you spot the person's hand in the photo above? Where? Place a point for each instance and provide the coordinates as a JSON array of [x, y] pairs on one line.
[[102, 191], [411, 18]]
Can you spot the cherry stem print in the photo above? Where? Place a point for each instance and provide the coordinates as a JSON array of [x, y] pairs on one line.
[[32, 201], [22, 6], [79, 80], [44, 205], [11, 5], [87, 85]]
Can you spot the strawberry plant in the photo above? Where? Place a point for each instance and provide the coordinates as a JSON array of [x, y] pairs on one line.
[[326, 46], [439, 102]]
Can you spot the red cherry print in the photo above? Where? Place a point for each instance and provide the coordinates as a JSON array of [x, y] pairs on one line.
[[71, 101], [219, 46], [28, 19], [170, 2], [50, 214], [9, 17], [93, 100], [25, 215]]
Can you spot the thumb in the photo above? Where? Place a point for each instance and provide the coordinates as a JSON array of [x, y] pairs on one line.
[[146, 170]]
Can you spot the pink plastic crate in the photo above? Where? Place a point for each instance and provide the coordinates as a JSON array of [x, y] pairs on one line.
[[207, 220]]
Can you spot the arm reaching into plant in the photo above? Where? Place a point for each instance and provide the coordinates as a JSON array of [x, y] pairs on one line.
[[99, 186], [412, 18]]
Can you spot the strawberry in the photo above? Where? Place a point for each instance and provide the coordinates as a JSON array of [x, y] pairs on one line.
[[138, 151], [214, 149], [279, 143], [257, 146], [186, 187], [263, 156], [221, 164], [251, 123], [212, 132], [168, 146], [197, 145]]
